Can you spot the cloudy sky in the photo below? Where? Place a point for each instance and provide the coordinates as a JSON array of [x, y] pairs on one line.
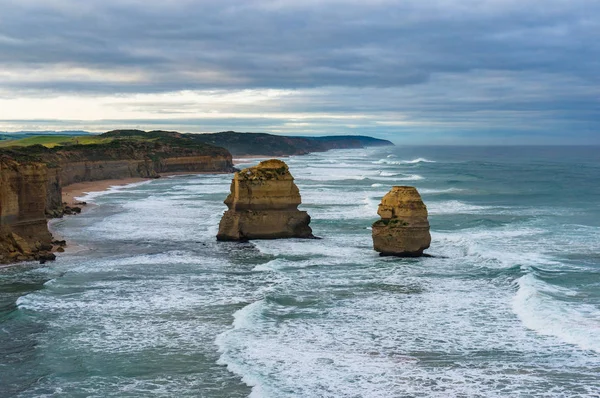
[[414, 71]]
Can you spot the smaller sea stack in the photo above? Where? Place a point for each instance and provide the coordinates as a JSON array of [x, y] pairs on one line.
[[263, 204], [403, 230]]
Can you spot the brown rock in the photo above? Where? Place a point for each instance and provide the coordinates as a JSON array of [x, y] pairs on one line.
[[403, 229], [23, 229], [263, 204], [20, 243]]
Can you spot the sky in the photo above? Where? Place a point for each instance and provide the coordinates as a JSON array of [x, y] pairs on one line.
[[413, 71]]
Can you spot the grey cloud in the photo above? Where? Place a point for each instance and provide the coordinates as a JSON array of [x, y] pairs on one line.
[[324, 43], [466, 65]]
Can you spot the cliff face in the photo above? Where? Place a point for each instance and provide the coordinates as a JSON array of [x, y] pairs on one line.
[[80, 171], [134, 156], [403, 229], [125, 154], [32, 178], [53, 190], [215, 163], [24, 233], [263, 204]]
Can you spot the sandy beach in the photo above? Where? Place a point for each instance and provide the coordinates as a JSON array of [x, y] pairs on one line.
[[70, 192]]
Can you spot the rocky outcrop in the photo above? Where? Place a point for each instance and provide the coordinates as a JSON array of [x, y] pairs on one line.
[[263, 204], [24, 232], [32, 178], [403, 229]]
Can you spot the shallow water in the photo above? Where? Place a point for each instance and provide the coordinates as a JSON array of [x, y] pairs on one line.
[[156, 307]]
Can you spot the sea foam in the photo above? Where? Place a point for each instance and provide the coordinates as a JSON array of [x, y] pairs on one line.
[[539, 309]]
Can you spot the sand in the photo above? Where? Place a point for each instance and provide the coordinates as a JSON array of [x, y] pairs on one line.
[[70, 192], [77, 190]]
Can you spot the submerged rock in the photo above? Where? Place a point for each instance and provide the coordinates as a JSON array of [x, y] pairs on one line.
[[403, 229], [263, 204]]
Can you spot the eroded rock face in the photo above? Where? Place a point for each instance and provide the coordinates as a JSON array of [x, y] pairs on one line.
[[24, 234], [263, 204], [403, 229]]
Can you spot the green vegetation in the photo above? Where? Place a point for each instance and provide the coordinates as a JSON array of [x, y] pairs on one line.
[[393, 222], [245, 144], [50, 141], [239, 144], [115, 145]]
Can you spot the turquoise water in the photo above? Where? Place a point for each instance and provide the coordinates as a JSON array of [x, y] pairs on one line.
[[154, 306]]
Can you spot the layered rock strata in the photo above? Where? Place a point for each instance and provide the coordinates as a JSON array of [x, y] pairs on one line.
[[32, 177], [263, 204], [403, 230], [24, 232]]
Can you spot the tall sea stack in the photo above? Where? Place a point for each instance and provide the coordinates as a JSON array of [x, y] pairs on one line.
[[403, 230], [263, 204]]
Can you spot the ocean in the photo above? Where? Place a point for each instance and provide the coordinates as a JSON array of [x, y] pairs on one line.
[[153, 306]]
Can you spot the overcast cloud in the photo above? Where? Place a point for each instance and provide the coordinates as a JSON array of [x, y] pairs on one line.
[[447, 71]]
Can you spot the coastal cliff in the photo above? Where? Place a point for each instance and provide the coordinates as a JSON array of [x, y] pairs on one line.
[[32, 178], [403, 230], [263, 204], [24, 233], [119, 154]]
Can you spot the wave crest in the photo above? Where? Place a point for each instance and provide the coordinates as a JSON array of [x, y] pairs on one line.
[[413, 161]]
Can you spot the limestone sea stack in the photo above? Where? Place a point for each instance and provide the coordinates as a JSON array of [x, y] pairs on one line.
[[263, 204], [403, 230]]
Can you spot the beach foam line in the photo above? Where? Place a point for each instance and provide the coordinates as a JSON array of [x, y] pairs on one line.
[[89, 196]]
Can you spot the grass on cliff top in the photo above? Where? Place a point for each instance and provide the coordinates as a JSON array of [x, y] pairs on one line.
[[50, 141]]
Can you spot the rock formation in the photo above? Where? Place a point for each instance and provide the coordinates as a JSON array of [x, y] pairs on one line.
[[403, 229], [24, 233], [263, 204], [32, 177]]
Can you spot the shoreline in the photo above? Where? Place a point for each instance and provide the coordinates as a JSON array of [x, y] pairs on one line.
[[79, 189], [71, 192]]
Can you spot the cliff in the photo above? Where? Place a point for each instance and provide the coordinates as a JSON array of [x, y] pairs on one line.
[[263, 204], [246, 144], [32, 178], [119, 154], [403, 229], [24, 233]]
